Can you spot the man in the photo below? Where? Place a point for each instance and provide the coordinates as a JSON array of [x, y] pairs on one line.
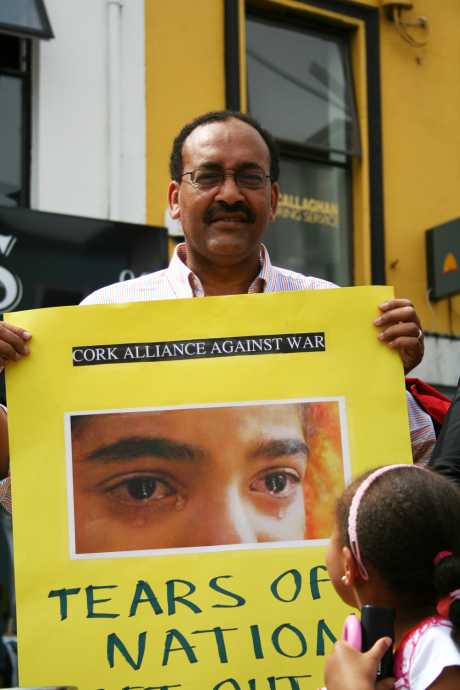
[[446, 453], [141, 478], [224, 190]]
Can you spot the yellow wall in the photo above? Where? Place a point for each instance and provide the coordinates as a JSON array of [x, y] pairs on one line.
[[421, 131], [421, 136], [184, 45], [421, 145], [186, 77]]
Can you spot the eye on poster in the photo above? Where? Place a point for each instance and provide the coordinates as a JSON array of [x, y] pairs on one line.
[[175, 466]]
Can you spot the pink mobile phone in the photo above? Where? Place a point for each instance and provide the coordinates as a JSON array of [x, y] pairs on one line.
[[361, 634], [352, 632]]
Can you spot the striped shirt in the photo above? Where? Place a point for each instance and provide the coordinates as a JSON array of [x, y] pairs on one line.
[[178, 281], [5, 494]]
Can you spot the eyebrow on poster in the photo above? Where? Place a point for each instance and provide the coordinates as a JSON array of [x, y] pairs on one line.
[[140, 479]]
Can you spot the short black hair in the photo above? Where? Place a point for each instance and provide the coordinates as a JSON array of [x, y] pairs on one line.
[[406, 517], [175, 161]]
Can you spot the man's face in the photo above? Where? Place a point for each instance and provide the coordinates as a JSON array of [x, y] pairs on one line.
[[224, 225], [182, 478]]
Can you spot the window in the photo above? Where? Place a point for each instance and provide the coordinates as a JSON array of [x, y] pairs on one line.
[[20, 21], [25, 18], [15, 120], [300, 89]]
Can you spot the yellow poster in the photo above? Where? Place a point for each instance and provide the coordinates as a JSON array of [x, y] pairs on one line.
[[174, 467]]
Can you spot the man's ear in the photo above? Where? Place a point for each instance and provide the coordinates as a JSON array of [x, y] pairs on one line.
[[274, 198], [350, 568], [173, 199]]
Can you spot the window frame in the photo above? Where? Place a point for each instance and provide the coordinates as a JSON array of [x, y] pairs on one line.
[[293, 150], [320, 13], [26, 31], [24, 73]]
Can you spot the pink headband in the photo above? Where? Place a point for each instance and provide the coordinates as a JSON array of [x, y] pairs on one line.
[[440, 556], [353, 513], [443, 605]]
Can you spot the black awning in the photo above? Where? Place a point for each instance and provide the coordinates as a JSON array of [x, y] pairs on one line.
[[25, 18]]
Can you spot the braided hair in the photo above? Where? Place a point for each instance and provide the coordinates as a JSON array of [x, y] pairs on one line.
[[446, 581]]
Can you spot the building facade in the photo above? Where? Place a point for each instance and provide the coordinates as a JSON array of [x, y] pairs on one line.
[[361, 96]]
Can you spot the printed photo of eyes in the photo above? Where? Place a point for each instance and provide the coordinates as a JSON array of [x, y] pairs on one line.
[[223, 475]]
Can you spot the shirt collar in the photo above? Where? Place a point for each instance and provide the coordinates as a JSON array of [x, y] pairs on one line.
[[186, 284], [183, 281], [265, 275]]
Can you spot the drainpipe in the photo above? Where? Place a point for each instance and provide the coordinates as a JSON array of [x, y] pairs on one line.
[[114, 9]]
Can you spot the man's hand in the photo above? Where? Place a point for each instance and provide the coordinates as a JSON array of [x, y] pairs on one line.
[[348, 669], [13, 343], [402, 331], [13, 346]]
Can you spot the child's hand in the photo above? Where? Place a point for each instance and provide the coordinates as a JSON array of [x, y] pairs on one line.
[[348, 669]]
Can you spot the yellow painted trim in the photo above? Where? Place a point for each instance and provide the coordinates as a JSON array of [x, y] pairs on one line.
[[149, 106], [310, 9], [185, 77], [360, 167], [369, 3]]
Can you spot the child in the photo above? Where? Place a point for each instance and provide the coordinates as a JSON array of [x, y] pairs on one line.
[[397, 544]]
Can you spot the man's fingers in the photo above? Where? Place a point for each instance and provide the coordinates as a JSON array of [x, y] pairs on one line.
[[403, 314], [13, 342], [401, 330], [404, 345], [8, 330], [395, 304], [410, 350]]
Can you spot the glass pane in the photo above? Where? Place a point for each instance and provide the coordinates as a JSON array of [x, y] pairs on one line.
[[10, 140], [298, 86], [312, 233], [23, 15], [11, 53]]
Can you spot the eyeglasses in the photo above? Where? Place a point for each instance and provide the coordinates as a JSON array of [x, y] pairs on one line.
[[204, 179]]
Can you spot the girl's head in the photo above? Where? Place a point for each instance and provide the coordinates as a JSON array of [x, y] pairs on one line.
[[400, 520]]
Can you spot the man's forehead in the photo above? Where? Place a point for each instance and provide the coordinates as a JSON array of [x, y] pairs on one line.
[[225, 141]]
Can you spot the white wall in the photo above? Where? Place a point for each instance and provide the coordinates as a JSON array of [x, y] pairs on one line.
[[441, 363], [88, 152]]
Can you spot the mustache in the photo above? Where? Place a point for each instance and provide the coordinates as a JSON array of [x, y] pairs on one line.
[[215, 210]]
